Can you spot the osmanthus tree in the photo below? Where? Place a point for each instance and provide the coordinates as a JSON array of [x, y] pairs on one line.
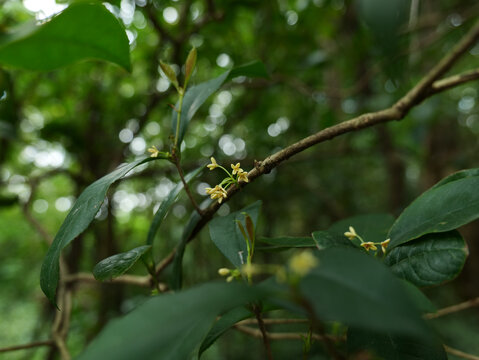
[[354, 287]]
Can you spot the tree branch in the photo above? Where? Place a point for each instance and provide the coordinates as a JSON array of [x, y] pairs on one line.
[[453, 308], [460, 353], [28, 346], [283, 335]]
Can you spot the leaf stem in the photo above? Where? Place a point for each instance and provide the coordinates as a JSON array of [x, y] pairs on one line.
[[262, 328], [185, 185], [178, 119]]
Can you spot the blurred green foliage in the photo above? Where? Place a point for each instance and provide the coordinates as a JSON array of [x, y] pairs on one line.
[[329, 60]]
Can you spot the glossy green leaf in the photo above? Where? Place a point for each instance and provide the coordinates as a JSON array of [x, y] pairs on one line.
[[196, 95], [430, 260], [441, 208], [223, 324], [77, 220], [227, 237], [118, 264], [82, 31], [394, 347], [371, 227], [358, 290], [170, 326], [166, 204], [325, 240], [177, 275], [286, 242], [457, 176]]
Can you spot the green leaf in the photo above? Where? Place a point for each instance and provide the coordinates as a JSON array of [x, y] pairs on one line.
[[223, 324], [195, 96], [430, 260], [371, 227], [457, 176], [418, 298], [177, 275], [286, 242], [227, 237], [358, 290], [439, 209], [166, 204], [170, 326], [77, 220], [82, 31], [254, 69], [325, 240], [394, 347], [118, 264]]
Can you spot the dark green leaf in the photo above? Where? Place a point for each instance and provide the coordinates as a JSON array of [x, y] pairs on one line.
[[430, 260], [254, 69], [394, 347], [77, 220], [227, 237], [118, 264], [358, 290], [166, 204], [287, 242], [169, 326], [371, 227], [197, 95], [82, 31], [442, 208], [457, 176], [177, 276], [324, 240], [418, 298], [223, 324]]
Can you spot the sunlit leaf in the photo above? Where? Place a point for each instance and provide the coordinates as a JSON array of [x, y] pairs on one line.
[[82, 31]]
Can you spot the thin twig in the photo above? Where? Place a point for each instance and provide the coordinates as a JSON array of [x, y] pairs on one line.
[[274, 321], [262, 329], [283, 335], [28, 346], [143, 281], [185, 185], [460, 353], [453, 309]]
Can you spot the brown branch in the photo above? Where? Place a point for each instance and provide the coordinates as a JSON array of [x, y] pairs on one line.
[[264, 334], [460, 353], [453, 81], [453, 308], [142, 281], [185, 185], [28, 346]]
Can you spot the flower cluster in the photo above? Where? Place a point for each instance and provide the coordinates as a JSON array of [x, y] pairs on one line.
[[219, 191], [368, 245]]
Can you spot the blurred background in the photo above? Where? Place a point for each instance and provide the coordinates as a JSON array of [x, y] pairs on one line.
[[329, 60]]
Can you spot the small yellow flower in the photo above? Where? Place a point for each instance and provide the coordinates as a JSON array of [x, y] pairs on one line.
[[154, 151], [369, 246], [213, 164], [243, 176], [217, 193], [230, 278], [302, 263], [384, 245], [351, 234], [236, 168], [224, 271]]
